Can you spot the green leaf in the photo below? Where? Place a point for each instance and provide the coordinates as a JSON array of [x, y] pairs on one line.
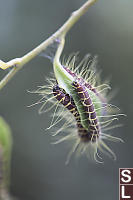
[[5, 152]]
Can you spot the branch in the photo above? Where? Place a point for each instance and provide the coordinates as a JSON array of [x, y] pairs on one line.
[[18, 63]]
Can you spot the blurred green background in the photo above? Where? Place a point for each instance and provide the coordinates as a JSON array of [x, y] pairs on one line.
[[38, 168]]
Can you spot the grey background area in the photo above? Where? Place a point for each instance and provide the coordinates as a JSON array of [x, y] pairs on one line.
[[38, 168]]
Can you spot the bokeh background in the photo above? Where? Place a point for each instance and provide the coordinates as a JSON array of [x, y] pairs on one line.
[[38, 168]]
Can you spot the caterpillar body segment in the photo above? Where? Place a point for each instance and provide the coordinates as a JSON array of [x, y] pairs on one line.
[[88, 86], [66, 100]]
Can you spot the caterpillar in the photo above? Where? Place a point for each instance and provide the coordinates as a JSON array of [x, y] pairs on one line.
[[65, 99], [81, 102], [88, 115]]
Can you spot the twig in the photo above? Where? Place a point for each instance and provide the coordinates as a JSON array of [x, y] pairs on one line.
[[18, 63]]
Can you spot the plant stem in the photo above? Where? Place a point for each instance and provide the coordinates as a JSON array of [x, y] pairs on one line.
[[18, 63]]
